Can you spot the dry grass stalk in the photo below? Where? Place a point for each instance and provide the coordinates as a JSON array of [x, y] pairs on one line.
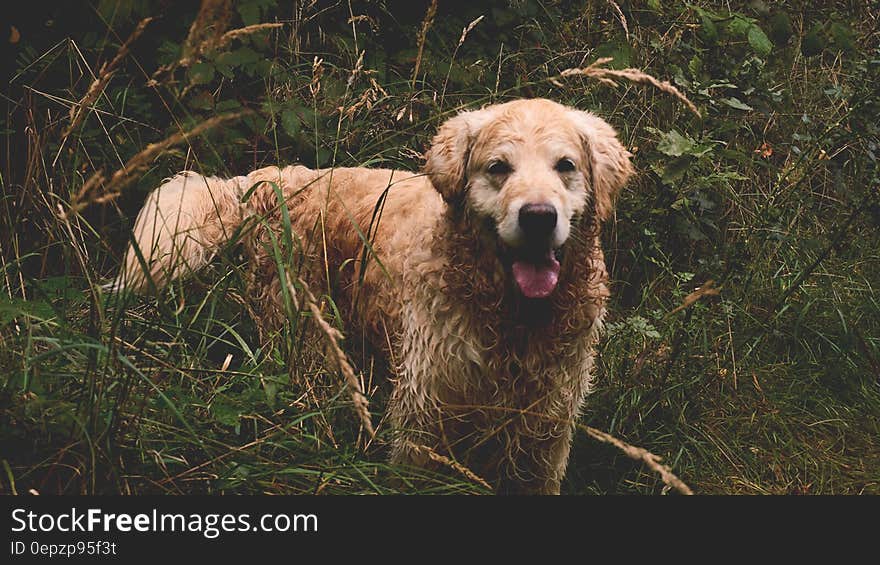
[[210, 43], [241, 32], [317, 73], [367, 99], [361, 18], [208, 27], [707, 289], [604, 75], [637, 453], [232, 450], [361, 405], [451, 463], [641, 454], [99, 190], [207, 30], [465, 31], [78, 110], [358, 68], [423, 34], [621, 17]]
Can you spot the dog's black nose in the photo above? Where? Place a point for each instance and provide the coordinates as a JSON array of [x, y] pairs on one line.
[[537, 220]]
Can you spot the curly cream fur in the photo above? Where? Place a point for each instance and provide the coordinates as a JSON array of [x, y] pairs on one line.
[[485, 377]]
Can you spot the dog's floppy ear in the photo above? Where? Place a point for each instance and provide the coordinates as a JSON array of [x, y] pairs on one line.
[[609, 161], [447, 159]]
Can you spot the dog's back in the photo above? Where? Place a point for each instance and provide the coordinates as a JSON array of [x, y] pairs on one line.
[[357, 230]]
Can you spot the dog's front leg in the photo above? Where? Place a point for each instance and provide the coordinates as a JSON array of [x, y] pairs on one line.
[[415, 436], [539, 469], [557, 453]]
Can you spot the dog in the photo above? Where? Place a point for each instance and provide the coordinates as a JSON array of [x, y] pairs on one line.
[[482, 277]]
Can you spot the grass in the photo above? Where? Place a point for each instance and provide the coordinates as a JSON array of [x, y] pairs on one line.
[[771, 386]]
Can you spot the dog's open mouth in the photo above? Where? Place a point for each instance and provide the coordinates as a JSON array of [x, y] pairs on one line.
[[536, 272]]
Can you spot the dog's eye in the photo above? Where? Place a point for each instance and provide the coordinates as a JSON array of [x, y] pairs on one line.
[[564, 165], [499, 168]]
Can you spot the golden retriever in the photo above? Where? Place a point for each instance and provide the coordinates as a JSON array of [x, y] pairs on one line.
[[482, 278]]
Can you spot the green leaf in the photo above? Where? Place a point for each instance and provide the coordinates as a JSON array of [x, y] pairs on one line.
[[291, 122], [271, 390], [225, 412], [202, 101], [740, 25], [695, 66], [239, 57], [780, 28], [676, 169], [708, 29], [201, 73], [11, 309], [227, 105], [842, 36], [812, 44], [674, 144], [251, 10], [759, 40], [619, 51], [323, 156], [736, 103]]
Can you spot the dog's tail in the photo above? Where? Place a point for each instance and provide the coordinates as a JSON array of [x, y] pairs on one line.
[[182, 225]]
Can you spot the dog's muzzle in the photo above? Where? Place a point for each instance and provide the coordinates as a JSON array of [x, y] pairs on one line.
[[535, 265]]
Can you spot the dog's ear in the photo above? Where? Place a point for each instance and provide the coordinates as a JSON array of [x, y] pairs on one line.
[[447, 159], [609, 160]]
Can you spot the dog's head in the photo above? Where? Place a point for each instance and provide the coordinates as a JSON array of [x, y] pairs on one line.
[[533, 169]]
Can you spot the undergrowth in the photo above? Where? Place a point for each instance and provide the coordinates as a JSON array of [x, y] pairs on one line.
[[767, 383]]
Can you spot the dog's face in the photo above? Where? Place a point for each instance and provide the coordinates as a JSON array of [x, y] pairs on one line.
[[532, 169]]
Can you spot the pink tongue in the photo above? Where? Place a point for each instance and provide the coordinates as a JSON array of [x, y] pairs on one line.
[[537, 280]]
